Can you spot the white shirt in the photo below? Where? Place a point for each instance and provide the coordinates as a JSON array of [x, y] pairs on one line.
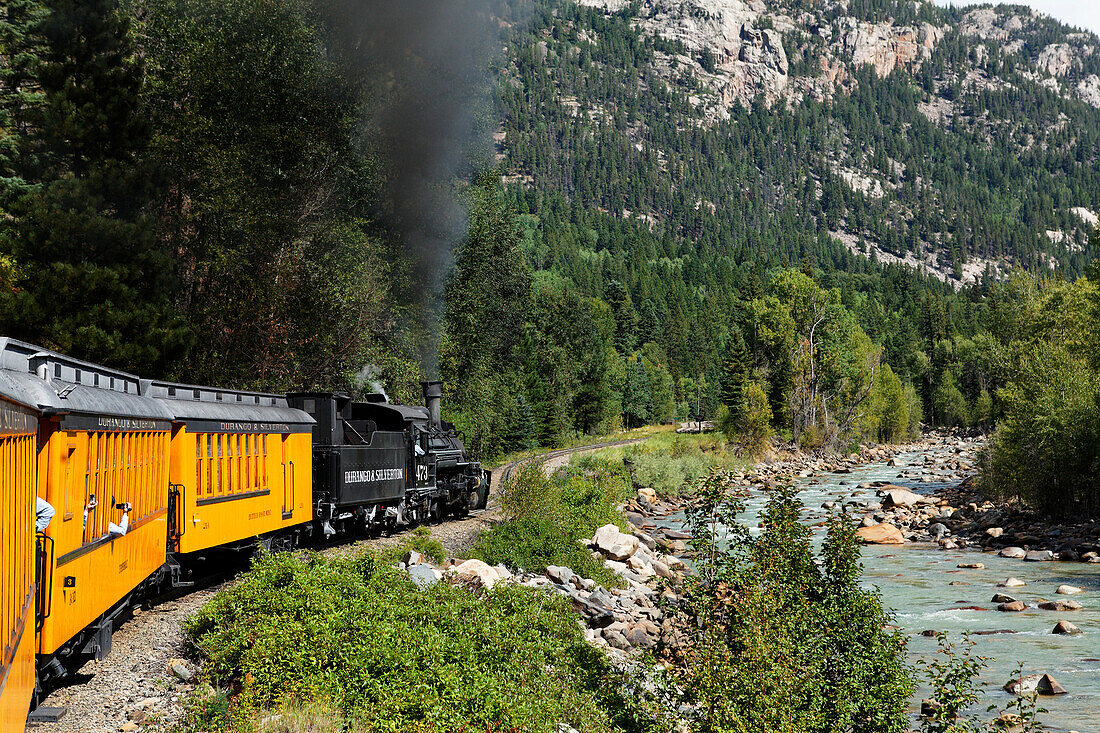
[[43, 513]]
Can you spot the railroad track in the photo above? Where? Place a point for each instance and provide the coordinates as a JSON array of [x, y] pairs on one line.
[[501, 473]]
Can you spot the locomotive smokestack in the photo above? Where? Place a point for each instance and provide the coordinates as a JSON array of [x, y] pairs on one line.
[[433, 391]]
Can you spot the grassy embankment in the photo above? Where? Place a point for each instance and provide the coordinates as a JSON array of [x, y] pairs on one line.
[[307, 643]]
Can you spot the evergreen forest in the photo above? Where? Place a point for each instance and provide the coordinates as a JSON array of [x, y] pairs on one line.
[[259, 194]]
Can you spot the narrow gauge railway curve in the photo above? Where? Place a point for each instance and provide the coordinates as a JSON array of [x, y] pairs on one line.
[[504, 472], [132, 482]]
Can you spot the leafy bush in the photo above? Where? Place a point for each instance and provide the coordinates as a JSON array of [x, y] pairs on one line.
[[357, 637], [548, 515], [533, 544], [783, 641], [419, 540], [756, 419], [1046, 449]]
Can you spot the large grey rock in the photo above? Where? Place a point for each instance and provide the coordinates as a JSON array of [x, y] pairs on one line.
[[424, 575], [638, 637], [598, 617], [901, 497], [614, 544], [616, 639], [1011, 583], [1030, 684], [1065, 628], [1068, 590], [1039, 556], [1002, 598], [1015, 553], [560, 574], [662, 570], [1061, 606]]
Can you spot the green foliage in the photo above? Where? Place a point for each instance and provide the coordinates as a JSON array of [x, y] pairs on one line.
[[93, 280], [755, 423], [948, 403], [356, 635], [891, 408], [953, 676], [784, 641], [1046, 448], [547, 516], [419, 540]]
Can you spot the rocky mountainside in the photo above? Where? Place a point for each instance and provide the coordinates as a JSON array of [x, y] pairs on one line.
[[964, 141]]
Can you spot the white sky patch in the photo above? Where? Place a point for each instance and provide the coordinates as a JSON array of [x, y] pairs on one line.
[[1082, 13]]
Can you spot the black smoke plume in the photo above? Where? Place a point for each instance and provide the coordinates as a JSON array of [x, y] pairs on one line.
[[425, 70]]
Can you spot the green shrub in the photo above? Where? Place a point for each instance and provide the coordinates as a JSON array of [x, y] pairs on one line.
[[419, 540], [780, 640], [533, 544], [1046, 450], [546, 516], [756, 419], [357, 637]]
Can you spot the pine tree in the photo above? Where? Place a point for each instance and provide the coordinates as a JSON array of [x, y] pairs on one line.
[[637, 399], [735, 373], [93, 280], [20, 56]]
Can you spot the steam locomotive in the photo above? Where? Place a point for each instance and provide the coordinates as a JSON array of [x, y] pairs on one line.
[[131, 481]]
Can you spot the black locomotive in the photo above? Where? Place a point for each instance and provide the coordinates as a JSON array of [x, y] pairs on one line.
[[377, 465]]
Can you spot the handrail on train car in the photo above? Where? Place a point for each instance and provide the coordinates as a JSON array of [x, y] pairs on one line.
[[289, 512], [43, 600], [177, 527]]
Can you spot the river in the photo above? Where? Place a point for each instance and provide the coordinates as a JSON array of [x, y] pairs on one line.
[[914, 580]]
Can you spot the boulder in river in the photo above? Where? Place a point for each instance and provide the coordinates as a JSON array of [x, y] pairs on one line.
[[1015, 553], [1002, 598], [1068, 590], [883, 533], [1061, 606], [1012, 606], [1039, 556], [1030, 684], [1066, 628], [1011, 583], [895, 496], [971, 566]]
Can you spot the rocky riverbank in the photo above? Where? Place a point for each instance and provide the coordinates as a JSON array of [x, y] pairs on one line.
[[957, 515]]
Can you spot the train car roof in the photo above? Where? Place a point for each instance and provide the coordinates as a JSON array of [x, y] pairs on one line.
[[53, 383], [194, 402]]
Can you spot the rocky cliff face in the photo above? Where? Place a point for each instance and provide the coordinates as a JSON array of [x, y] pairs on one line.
[[752, 44]]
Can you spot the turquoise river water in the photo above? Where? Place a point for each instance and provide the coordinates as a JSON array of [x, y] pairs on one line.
[[914, 581]]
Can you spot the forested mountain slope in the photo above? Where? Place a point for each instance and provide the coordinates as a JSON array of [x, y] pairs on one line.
[[958, 141]]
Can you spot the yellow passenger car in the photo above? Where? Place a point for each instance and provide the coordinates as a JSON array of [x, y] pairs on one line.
[[103, 468], [18, 479], [240, 469]]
